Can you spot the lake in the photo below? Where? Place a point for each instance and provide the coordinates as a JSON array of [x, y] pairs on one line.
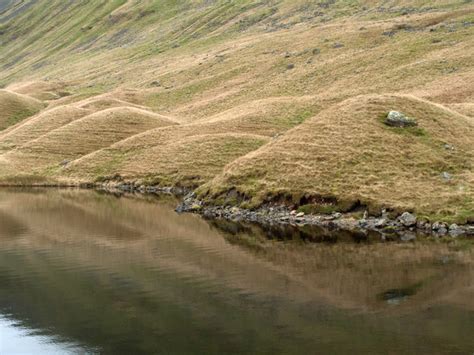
[[83, 272]]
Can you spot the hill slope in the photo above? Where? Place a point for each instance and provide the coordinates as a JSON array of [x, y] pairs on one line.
[[16, 107], [272, 99], [348, 153]]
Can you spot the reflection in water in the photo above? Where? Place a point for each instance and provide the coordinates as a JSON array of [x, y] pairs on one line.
[[83, 272]]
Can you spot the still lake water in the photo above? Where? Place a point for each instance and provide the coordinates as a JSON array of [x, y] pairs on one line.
[[85, 273]]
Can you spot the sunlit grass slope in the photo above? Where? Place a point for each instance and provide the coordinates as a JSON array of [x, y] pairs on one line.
[[82, 137], [271, 98], [347, 152], [16, 107]]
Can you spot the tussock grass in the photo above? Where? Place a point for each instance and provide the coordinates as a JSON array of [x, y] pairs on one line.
[[83, 136], [41, 90], [346, 151], [16, 107], [248, 72], [39, 125]]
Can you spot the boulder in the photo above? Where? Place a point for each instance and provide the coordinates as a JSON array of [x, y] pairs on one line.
[[398, 119], [407, 219]]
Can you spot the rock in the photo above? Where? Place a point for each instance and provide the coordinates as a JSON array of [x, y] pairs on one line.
[[437, 225], [407, 219], [446, 176], [440, 228], [455, 230], [316, 51], [398, 119], [448, 147], [155, 83], [421, 224], [292, 213], [337, 215], [64, 163], [380, 223], [337, 45], [290, 66], [299, 215]]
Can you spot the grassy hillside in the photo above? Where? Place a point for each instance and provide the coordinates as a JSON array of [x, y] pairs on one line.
[[347, 153], [280, 98], [16, 107]]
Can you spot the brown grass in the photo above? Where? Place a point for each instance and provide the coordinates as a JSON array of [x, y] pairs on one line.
[[16, 107], [83, 136], [346, 151], [226, 75]]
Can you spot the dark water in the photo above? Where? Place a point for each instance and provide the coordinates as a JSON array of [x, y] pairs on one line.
[[83, 272]]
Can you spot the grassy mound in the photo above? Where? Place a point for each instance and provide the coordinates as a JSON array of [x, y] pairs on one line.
[[184, 160], [39, 125], [347, 153], [41, 90], [82, 137], [16, 107], [191, 154], [236, 76]]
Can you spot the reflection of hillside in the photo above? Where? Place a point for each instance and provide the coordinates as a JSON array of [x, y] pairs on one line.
[[93, 267], [355, 271]]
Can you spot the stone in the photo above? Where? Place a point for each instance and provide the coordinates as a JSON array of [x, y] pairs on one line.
[[293, 212], [398, 119], [337, 45], [380, 223], [455, 230], [446, 176], [316, 51], [299, 215], [290, 66], [448, 147], [407, 219], [155, 83], [437, 225]]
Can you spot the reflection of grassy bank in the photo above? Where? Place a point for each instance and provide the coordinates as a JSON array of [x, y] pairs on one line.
[[124, 273], [353, 270]]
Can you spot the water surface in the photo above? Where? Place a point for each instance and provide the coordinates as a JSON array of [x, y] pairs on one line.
[[85, 272]]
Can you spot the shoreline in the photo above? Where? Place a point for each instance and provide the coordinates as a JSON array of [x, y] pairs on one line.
[[405, 226]]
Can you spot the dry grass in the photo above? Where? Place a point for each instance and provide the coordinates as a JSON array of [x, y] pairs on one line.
[[247, 72], [39, 125], [41, 90], [83, 136], [16, 107], [346, 151]]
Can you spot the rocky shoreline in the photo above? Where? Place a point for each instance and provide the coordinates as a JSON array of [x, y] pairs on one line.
[[406, 226]]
